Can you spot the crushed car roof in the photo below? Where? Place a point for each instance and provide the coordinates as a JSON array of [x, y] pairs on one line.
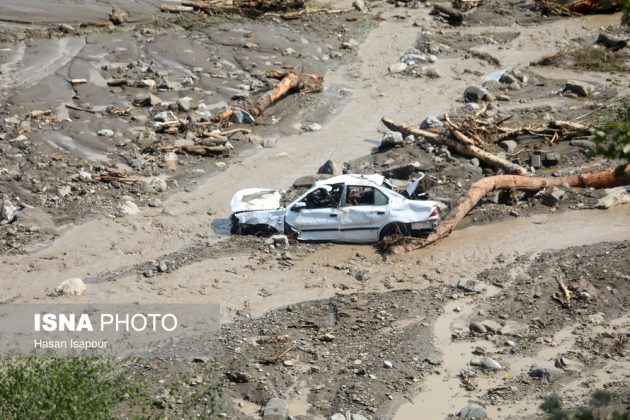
[[354, 179]]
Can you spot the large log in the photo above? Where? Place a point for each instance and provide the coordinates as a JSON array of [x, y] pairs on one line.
[[289, 82], [610, 178], [461, 144]]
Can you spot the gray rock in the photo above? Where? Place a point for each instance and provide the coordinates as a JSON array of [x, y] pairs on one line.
[[155, 202], [241, 116], [509, 145], [434, 360], [186, 103], [105, 132], [338, 416], [162, 266], [579, 88], [276, 409], [472, 286], [360, 6], [474, 161], [503, 98], [350, 44], [8, 211], [129, 208], [477, 94], [536, 161], [614, 197], [280, 240], [387, 364], [402, 171], [551, 159], [553, 197], [158, 185], [73, 287], [507, 78], [312, 127], [477, 327], [472, 107], [411, 59], [546, 374], [432, 73], [392, 139], [358, 417], [569, 365], [431, 122], [331, 168], [490, 363], [270, 143], [165, 116], [146, 99], [611, 42], [492, 326], [397, 68], [473, 411], [584, 144]]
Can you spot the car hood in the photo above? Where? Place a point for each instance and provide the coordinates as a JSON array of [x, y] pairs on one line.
[[255, 199]]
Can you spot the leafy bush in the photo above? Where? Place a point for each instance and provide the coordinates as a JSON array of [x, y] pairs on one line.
[[62, 388], [600, 407], [613, 140]]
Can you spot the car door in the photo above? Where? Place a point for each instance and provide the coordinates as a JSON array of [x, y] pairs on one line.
[[316, 216], [364, 211]]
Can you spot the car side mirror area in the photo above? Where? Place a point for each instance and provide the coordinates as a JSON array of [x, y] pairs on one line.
[[298, 206]]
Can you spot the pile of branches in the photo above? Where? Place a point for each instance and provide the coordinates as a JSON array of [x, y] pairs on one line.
[[576, 7], [484, 131]]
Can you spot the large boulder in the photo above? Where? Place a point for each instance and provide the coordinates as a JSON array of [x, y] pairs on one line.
[[546, 374], [579, 88], [477, 94], [473, 411], [392, 139], [331, 168]]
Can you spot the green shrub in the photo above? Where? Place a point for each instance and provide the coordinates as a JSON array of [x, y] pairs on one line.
[[613, 140], [62, 388]]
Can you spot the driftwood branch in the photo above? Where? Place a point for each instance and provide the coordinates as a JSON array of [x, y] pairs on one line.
[[460, 143], [565, 297], [610, 178]]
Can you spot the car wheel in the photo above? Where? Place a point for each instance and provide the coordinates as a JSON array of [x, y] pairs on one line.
[[235, 226], [394, 229]]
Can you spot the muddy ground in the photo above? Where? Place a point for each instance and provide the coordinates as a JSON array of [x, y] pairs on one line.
[[326, 328]]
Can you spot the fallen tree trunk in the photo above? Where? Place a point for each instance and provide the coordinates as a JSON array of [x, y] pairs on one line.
[[454, 16], [176, 8], [462, 145], [610, 178], [289, 82]]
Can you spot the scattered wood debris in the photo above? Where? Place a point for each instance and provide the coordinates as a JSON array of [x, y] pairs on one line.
[[114, 173], [576, 7], [565, 297]]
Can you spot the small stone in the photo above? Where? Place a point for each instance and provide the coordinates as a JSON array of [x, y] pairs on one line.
[[397, 68], [473, 411], [432, 73], [490, 363], [360, 6], [338, 416], [331, 168], [579, 88], [270, 143], [158, 185], [535, 161], [106, 132], [276, 409], [477, 327], [280, 240], [392, 139], [162, 267], [477, 94], [509, 145], [551, 159], [146, 99], [129, 208], [546, 374], [492, 326], [431, 122], [553, 197], [585, 144], [155, 202], [387, 364], [351, 44], [312, 127], [503, 98], [165, 116], [472, 286], [73, 286]]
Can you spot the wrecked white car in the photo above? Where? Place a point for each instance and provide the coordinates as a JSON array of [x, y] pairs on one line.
[[346, 208]]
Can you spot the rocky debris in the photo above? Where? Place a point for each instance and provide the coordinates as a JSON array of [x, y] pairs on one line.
[[146, 99], [611, 42], [360, 6], [578, 88], [106, 132], [432, 73], [490, 364], [535, 161], [473, 411], [117, 16], [71, 287], [614, 197], [551, 159], [280, 240], [472, 286], [8, 211], [276, 409], [402, 171], [431, 122], [584, 144], [312, 127], [351, 44], [546, 374], [477, 94], [492, 326], [66, 29], [553, 197], [397, 67], [387, 364], [129, 208], [477, 327], [338, 416], [157, 185], [392, 139], [569, 365], [331, 168], [509, 145]]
